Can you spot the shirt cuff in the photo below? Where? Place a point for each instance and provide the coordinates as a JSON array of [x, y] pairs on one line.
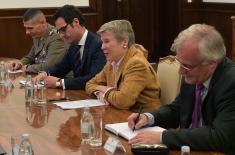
[[160, 138], [63, 85], [150, 118]]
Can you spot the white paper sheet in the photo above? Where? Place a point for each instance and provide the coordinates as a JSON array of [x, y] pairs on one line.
[[14, 72], [79, 104], [39, 85]]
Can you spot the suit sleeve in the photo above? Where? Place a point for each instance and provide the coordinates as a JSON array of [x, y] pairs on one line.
[[216, 136], [168, 116], [61, 68], [99, 79]]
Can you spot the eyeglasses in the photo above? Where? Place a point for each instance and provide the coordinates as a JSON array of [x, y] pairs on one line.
[[188, 67], [62, 29]]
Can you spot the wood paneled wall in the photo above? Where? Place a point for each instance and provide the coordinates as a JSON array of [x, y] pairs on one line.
[[15, 43], [156, 22], [216, 14], [144, 16]]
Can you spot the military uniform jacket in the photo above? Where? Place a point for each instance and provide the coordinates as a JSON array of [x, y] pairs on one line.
[[45, 52]]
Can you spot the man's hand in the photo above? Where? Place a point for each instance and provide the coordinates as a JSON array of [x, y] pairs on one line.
[[50, 81], [147, 137], [13, 65], [40, 77], [143, 120]]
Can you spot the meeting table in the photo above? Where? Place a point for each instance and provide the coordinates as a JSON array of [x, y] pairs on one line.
[[52, 130]]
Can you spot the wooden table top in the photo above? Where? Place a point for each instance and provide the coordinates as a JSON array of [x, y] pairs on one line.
[[54, 131]]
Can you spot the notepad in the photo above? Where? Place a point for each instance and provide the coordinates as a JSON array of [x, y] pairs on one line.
[[124, 131]]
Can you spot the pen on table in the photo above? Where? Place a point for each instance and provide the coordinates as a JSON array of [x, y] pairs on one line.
[[138, 117], [59, 99]]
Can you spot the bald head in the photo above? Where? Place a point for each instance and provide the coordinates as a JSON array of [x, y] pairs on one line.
[[35, 15]]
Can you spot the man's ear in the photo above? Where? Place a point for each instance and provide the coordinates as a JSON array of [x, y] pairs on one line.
[[76, 21]]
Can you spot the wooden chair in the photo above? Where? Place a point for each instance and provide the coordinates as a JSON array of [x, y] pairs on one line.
[[233, 37], [169, 78]]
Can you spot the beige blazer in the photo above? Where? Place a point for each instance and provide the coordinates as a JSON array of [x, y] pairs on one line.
[[134, 83]]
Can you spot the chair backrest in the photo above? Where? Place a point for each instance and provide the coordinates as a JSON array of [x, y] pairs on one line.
[[233, 37], [169, 79]]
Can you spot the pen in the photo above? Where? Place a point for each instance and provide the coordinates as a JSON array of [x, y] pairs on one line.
[[59, 99], [138, 116]]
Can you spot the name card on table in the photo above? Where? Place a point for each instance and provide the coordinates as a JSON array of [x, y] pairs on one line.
[[112, 144]]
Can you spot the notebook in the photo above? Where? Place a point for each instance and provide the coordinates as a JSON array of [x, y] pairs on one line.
[[124, 131]]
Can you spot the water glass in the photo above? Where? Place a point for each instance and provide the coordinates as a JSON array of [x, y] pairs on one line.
[[15, 144], [96, 133], [40, 95]]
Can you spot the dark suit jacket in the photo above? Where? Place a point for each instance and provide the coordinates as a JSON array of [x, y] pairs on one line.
[[218, 114], [92, 62]]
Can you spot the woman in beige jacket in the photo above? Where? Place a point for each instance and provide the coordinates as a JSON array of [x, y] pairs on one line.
[[127, 79]]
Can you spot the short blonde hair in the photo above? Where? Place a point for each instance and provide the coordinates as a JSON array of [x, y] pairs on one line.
[[210, 42], [120, 29]]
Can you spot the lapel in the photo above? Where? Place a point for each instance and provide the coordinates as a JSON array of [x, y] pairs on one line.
[[130, 53], [38, 46], [187, 105], [207, 108]]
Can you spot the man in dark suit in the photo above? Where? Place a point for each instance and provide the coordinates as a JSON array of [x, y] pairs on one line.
[[203, 114], [85, 57]]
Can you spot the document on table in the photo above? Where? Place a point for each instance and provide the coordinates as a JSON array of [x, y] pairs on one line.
[[79, 104], [14, 72]]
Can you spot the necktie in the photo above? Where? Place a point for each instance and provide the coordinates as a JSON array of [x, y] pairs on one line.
[[197, 106], [77, 56]]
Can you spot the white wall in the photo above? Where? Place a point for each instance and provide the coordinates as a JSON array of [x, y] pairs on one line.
[[220, 1], [8, 4]]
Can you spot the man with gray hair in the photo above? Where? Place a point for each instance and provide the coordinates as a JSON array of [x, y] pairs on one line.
[[48, 48], [203, 114]]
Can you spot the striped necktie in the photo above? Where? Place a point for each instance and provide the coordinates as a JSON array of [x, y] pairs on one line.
[[77, 56], [197, 106]]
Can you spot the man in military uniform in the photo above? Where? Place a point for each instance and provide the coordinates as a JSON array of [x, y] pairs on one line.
[[48, 48]]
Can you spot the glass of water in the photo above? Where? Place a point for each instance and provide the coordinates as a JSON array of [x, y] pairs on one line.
[[96, 131]]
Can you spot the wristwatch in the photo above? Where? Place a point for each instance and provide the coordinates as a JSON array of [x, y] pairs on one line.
[[58, 83]]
